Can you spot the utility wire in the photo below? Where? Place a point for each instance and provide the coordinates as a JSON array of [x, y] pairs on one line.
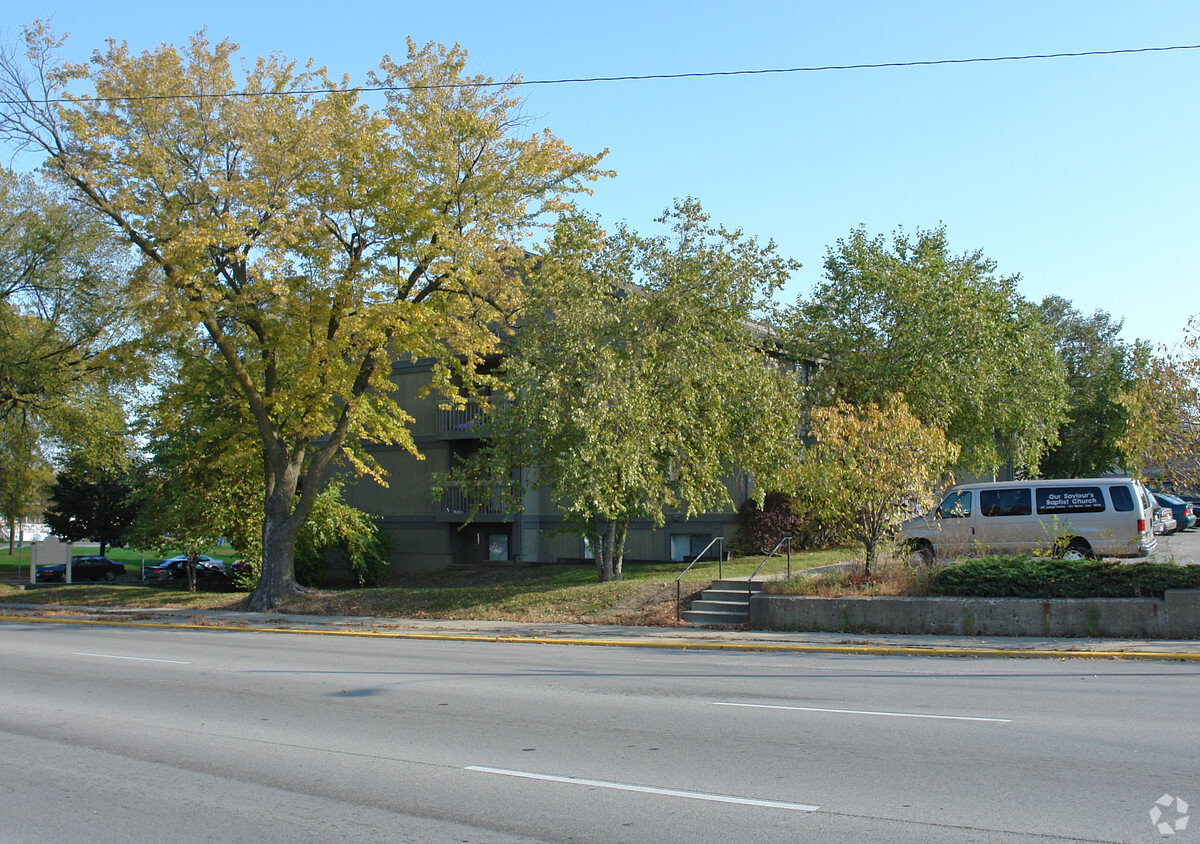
[[634, 78]]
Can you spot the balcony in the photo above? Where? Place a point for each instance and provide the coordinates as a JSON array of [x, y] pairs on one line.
[[460, 423], [457, 504]]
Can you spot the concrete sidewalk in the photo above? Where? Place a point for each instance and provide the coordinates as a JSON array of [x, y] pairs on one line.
[[611, 635]]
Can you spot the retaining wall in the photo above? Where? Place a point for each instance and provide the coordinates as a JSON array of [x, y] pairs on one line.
[[1177, 616]]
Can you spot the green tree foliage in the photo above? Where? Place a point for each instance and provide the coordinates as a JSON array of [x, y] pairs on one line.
[[63, 320], [1100, 368], [25, 473], [64, 336], [869, 466], [205, 476], [1162, 439], [638, 384], [93, 505], [203, 480], [969, 354], [301, 242], [336, 528]]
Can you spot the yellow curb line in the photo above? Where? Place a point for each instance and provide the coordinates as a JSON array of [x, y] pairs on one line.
[[871, 650]]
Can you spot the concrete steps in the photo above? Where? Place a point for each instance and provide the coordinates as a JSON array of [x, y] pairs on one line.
[[725, 604]]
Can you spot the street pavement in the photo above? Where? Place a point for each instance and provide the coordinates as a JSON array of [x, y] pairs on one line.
[[617, 635]]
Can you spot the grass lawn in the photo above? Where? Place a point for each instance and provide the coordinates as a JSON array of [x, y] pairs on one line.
[[536, 593]]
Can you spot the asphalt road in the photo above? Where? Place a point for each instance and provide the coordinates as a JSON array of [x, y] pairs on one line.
[[126, 734]]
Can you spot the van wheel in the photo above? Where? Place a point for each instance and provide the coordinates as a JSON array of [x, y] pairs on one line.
[[920, 555], [1078, 549]]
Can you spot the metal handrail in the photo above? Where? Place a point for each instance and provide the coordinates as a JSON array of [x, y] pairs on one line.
[[696, 559], [788, 541]]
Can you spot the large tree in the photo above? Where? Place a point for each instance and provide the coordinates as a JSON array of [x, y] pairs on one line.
[[639, 385], [967, 351], [299, 241], [1100, 368]]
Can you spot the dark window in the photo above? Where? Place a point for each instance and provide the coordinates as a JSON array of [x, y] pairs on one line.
[[1005, 502], [1121, 498], [1070, 499]]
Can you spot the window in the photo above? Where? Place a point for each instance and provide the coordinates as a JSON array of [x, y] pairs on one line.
[[1121, 498], [497, 546], [686, 546], [956, 505], [1070, 499], [1005, 502]]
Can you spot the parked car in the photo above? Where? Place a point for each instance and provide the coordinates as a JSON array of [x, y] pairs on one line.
[[1077, 517], [241, 568], [210, 572], [1182, 510], [83, 566], [1164, 521], [201, 560]]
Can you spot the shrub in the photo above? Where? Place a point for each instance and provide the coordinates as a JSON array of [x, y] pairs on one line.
[[1034, 577], [334, 526], [759, 530]]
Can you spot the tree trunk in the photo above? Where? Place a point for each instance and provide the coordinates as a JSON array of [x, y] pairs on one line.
[[282, 520], [610, 550], [618, 552], [597, 542], [277, 579]]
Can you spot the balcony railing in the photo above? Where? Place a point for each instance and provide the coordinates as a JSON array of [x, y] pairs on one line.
[[461, 420], [458, 502]]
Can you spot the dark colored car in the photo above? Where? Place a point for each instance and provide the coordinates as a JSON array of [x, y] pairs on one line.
[[83, 567], [210, 573], [1182, 510]]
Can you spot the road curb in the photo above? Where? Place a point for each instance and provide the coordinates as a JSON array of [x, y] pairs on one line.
[[795, 647]]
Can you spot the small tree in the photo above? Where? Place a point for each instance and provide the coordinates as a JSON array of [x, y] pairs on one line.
[[95, 506], [869, 466], [336, 527], [1162, 435]]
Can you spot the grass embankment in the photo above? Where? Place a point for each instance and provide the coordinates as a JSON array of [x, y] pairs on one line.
[[535, 593]]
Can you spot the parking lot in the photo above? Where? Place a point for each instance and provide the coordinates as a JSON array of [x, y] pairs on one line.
[[1180, 547]]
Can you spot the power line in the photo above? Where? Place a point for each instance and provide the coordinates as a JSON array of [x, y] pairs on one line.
[[876, 66], [638, 78]]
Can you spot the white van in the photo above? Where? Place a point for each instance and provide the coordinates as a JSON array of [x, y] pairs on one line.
[[1080, 517]]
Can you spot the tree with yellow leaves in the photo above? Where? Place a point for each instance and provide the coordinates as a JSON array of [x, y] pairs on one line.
[[870, 465]]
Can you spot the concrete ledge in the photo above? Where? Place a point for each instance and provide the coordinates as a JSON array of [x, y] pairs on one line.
[[1177, 616]]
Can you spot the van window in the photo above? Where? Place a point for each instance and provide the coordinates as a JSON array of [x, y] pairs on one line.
[[1005, 502], [1121, 498], [956, 505], [1070, 499]]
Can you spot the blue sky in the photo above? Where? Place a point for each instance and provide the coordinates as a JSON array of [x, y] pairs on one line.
[[1081, 175]]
